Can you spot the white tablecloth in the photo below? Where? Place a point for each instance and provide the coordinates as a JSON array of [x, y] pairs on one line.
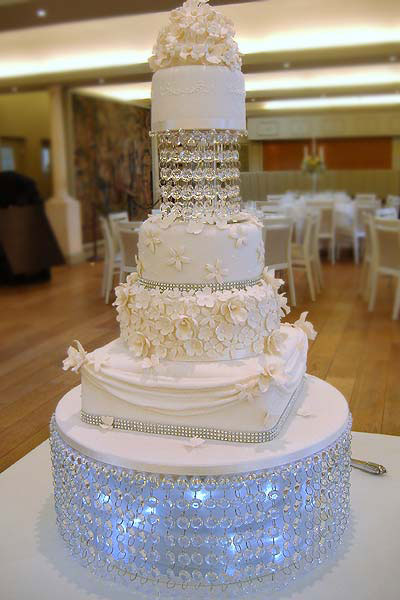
[[35, 565]]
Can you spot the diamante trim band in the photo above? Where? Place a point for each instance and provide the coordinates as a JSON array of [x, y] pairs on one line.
[[188, 431], [186, 287]]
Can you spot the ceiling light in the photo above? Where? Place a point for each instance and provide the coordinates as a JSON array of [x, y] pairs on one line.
[[286, 65], [41, 13], [332, 102], [14, 89], [101, 81], [392, 58], [324, 78]]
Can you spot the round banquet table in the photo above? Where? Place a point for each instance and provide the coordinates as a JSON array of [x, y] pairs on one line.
[[36, 566]]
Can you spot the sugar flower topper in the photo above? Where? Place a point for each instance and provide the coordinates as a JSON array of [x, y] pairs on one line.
[[196, 35]]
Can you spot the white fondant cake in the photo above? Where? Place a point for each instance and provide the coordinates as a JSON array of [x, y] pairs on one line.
[[191, 252], [202, 394], [204, 380], [198, 97]]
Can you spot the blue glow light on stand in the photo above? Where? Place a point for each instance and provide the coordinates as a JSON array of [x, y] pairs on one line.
[[265, 526]]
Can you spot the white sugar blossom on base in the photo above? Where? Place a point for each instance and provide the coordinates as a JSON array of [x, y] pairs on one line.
[[76, 358], [196, 35]]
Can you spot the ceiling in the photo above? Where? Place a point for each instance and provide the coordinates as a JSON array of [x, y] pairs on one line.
[[291, 48]]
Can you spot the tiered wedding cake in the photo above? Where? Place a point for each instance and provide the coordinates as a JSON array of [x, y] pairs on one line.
[[204, 375]]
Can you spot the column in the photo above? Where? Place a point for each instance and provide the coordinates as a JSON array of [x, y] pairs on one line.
[[63, 211]]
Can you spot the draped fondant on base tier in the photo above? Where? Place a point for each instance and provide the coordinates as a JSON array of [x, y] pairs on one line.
[[222, 394]]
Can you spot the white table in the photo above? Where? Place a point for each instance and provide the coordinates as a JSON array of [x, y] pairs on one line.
[[35, 565]]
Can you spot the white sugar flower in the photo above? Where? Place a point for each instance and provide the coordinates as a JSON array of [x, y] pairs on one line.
[[151, 240], [260, 252], [248, 392], [165, 325], [216, 272], [205, 333], [234, 310], [150, 362], [193, 347], [76, 357], [122, 295], [177, 258], [225, 331], [139, 344], [221, 223], [256, 291], [205, 297], [195, 227], [139, 266], [98, 360], [270, 278], [142, 299], [238, 233], [185, 328], [132, 278], [167, 221], [306, 326], [274, 342], [273, 371], [254, 319]]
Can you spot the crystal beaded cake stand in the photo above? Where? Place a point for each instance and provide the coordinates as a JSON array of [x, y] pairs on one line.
[[217, 517]]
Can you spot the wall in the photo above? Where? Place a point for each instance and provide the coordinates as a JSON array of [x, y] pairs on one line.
[[255, 185], [27, 116], [112, 156], [362, 123], [340, 153]]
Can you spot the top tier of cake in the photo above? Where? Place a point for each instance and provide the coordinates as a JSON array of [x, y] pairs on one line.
[[197, 82], [198, 97]]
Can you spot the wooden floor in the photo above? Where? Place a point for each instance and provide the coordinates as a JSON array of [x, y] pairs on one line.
[[356, 351]]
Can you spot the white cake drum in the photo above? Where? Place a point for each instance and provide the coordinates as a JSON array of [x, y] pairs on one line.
[[198, 97], [318, 419]]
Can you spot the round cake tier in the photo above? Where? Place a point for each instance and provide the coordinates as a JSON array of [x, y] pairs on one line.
[[197, 97], [201, 253], [282, 512], [321, 416]]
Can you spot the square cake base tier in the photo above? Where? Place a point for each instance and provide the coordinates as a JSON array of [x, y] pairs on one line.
[[141, 508]]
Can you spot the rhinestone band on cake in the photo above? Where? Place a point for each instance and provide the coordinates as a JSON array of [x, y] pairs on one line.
[[204, 433], [185, 287]]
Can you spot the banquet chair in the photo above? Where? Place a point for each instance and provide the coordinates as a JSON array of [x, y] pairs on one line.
[[128, 240], [304, 256], [366, 198], [274, 198], [356, 231], [327, 226], [395, 202], [277, 235], [112, 260], [113, 219], [365, 279], [385, 258], [389, 212]]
